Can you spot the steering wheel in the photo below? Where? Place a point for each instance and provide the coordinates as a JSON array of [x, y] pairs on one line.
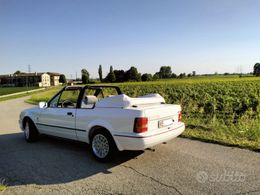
[[67, 103]]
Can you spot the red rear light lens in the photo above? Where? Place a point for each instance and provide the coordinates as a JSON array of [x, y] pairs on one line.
[[141, 125], [179, 117]]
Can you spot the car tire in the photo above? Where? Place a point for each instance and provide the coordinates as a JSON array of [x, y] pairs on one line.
[[31, 133], [103, 147]]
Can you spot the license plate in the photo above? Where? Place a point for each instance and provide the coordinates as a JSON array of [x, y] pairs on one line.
[[164, 123]]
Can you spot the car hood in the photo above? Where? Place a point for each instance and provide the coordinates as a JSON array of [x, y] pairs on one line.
[[33, 109]]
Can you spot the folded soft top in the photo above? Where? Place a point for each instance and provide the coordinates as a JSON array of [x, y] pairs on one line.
[[122, 101]]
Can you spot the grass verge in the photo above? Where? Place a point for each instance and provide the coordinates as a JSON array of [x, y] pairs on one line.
[[43, 95], [223, 139], [2, 187], [11, 90], [17, 96]]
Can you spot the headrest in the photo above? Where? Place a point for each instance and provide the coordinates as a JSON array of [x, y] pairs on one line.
[[91, 99]]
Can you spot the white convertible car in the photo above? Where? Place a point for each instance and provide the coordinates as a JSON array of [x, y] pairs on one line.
[[105, 118]]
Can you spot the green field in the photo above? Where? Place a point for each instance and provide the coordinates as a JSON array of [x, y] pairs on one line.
[[217, 109], [44, 95], [2, 187], [10, 90]]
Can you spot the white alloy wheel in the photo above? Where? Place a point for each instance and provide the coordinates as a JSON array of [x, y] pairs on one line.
[[30, 131], [100, 146]]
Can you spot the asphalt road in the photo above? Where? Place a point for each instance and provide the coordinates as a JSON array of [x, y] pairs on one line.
[[182, 166]]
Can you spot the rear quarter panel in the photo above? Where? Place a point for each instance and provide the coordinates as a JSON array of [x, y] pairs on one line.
[[115, 120]]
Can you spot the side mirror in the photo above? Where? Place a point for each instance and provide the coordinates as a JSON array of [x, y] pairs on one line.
[[43, 105]]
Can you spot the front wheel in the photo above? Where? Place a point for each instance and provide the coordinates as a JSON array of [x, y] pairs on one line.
[[30, 131], [103, 146]]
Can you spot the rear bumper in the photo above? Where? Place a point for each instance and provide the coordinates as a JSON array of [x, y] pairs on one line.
[[134, 142]]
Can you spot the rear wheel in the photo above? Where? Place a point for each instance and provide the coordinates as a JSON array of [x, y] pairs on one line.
[[103, 146], [30, 131]]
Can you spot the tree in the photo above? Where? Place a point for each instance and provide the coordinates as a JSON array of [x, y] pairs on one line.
[[132, 74], [120, 75], [257, 69], [156, 76], [147, 77], [111, 76], [84, 76], [100, 73], [84, 71], [165, 72], [182, 75], [18, 72], [139, 77], [85, 79], [193, 73], [62, 79], [173, 75]]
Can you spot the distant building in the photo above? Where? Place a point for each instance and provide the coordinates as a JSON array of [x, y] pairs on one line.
[[70, 82], [45, 79], [55, 77]]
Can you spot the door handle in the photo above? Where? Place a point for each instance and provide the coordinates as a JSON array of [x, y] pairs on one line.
[[70, 114]]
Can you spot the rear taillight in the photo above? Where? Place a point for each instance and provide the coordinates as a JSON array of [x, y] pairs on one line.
[[179, 116], [141, 125]]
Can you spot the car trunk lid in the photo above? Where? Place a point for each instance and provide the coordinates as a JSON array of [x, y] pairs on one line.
[[163, 116]]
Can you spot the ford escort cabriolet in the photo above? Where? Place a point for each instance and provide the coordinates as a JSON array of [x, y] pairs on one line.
[[105, 118]]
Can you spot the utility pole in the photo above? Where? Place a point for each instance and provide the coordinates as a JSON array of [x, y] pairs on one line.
[[27, 78], [29, 68]]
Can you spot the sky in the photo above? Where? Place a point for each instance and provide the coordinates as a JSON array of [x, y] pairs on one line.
[[205, 36]]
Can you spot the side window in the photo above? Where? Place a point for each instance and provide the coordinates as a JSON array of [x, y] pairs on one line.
[[93, 94], [54, 102], [69, 98]]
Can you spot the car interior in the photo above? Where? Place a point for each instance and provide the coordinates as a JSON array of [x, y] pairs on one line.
[[69, 97]]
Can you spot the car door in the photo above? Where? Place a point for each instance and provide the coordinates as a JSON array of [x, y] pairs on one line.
[[58, 118], [87, 113]]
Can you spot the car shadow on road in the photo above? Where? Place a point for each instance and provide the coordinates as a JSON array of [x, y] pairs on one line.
[[50, 160]]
